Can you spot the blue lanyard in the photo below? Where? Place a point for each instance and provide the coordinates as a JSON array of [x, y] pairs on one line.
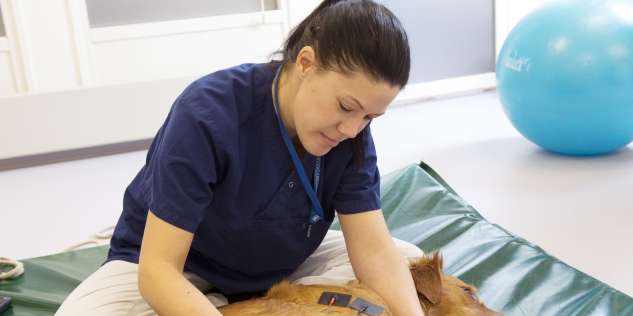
[[316, 212]]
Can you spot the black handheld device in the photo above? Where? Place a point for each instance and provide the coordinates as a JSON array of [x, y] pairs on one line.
[[5, 304]]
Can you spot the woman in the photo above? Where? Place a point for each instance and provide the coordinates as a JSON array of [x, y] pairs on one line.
[[243, 179]]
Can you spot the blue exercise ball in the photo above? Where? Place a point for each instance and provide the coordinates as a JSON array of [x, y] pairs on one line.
[[565, 76]]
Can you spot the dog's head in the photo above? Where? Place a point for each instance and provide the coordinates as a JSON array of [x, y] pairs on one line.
[[442, 294]]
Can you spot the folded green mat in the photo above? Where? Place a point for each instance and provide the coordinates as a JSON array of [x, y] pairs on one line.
[[513, 275]]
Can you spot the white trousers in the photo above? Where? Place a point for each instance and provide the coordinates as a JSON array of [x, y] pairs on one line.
[[113, 288]]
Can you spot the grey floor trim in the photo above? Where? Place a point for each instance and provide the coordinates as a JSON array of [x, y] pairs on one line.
[[73, 154]]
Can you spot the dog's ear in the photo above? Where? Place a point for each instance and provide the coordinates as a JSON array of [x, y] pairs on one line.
[[427, 277]]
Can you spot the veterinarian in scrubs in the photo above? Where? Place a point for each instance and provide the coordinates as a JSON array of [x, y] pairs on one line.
[[244, 177]]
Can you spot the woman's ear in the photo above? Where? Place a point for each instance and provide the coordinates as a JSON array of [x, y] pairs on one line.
[[306, 61]]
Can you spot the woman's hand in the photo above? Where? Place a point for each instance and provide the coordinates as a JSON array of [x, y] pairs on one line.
[[377, 262]]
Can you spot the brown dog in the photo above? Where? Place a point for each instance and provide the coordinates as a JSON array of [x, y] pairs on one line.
[[439, 294]]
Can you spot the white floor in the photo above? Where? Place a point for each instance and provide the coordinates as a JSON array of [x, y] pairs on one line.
[[578, 209]]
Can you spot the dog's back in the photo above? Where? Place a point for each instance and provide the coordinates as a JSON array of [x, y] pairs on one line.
[[439, 294], [298, 299]]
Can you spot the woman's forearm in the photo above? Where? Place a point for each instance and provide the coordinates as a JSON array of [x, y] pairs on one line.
[[387, 273], [168, 292]]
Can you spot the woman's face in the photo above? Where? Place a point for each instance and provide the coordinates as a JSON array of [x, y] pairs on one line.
[[330, 107]]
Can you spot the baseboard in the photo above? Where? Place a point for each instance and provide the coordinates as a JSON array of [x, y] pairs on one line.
[[73, 154]]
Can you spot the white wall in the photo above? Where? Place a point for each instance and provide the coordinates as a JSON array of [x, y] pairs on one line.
[[84, 82], [171, 49], [49, 44], [509, 13], [12, 72], [53, 50], [299, 9], [59, 50], [7, 85], [56, 121]]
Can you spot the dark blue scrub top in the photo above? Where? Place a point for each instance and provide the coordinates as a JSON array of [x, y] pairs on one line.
[[218, 168]]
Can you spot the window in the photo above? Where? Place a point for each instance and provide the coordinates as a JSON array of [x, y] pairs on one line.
[[2, 31], [120, 12], [448, 38]]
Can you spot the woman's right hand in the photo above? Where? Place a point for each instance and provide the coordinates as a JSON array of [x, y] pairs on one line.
[[161, 281]]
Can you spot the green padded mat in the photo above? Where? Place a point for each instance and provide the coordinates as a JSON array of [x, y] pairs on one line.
[[513, 275]]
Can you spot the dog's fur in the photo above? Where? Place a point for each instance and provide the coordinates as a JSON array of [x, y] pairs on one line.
[[439, 294]]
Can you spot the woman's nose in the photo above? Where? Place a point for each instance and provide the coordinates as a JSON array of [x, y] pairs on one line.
[[350, 127]]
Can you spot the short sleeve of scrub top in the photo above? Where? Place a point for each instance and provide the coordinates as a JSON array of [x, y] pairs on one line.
[[181, 169], [359, 188]]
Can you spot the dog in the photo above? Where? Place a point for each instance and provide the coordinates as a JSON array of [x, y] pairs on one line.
[[438, 293]]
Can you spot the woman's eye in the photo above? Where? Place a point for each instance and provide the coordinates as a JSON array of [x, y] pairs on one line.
[[344, 108]]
